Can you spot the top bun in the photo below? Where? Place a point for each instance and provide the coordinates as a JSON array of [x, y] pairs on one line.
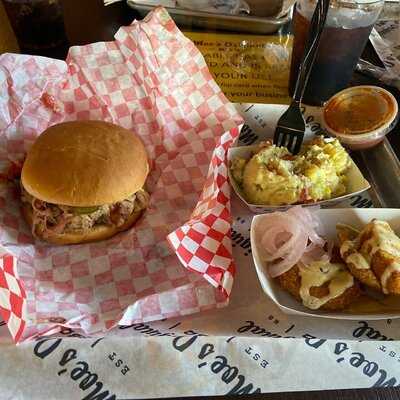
[[85, 163]]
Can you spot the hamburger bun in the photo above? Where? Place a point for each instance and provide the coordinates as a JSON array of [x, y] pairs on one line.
[[85, 163]]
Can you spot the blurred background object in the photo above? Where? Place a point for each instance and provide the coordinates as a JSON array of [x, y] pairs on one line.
[[259, 8], [195, 20], [8, 41], [233, 7], [38, 25], [391, 11], [88, 21]]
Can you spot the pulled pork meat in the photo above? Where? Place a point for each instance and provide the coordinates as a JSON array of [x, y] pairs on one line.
[[51, 218]]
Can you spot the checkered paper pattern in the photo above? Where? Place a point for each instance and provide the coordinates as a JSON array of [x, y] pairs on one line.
[[153, 80], [12, 296]]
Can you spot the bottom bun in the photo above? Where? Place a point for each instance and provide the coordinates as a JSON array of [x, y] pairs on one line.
[[99, 232]]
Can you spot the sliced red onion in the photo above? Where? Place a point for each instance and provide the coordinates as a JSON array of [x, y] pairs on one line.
[[291, 259], [314, 253], [290, 237]]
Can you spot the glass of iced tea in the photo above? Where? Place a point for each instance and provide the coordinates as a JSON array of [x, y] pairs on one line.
[[38, 24], [347, 28]]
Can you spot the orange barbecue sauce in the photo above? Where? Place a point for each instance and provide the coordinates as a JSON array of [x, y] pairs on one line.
[[360, 113]]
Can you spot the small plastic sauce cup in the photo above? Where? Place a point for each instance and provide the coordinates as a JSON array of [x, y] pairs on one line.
[[360, 116]]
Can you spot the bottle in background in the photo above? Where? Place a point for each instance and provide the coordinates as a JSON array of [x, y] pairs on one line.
[[345, 35], [38, 25], [8, 41]]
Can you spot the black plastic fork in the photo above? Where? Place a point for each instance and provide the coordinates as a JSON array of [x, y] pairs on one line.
[[291, 126]]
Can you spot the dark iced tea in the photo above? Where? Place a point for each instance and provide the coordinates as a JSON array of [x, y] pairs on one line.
[[338, 53], [38, 24]]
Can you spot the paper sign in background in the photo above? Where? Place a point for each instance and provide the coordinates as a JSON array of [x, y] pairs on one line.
[[248, 68]]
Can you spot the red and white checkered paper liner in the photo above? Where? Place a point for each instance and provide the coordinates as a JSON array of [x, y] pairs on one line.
[[153, 80]]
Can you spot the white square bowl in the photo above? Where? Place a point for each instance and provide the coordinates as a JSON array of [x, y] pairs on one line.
[[356, 183], [357, 217]]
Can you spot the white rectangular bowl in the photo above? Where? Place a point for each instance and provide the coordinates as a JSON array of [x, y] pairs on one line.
[[356, 217], [356, 183]]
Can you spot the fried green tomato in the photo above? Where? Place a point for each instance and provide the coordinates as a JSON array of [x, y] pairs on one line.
[[372, 255], [323, 286]]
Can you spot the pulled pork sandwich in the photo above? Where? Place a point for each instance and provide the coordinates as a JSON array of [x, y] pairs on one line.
[[83, 181]]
